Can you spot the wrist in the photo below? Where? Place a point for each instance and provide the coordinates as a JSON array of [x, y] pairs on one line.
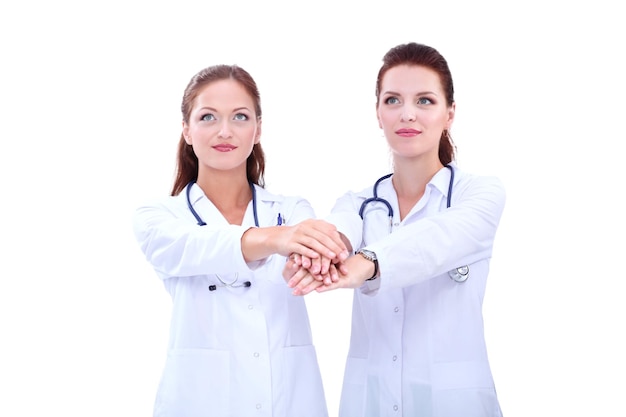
[[370, 256]]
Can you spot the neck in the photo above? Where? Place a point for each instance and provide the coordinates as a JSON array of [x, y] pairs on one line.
[[229, 194], [410, 179]]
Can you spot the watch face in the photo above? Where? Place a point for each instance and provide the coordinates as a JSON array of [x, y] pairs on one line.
[[368, 254]]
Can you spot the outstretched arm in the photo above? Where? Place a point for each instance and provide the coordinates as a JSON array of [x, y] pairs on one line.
[[312, 238]]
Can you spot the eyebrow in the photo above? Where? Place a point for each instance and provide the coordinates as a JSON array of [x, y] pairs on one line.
[[215, 110], [421, 93]]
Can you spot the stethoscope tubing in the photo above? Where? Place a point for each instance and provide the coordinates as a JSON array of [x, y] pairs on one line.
[[459, 274], [378, 199], [203, 223]]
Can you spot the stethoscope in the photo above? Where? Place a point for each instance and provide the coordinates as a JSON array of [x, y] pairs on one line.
[[233, 283], [459, 274], [202, 223]]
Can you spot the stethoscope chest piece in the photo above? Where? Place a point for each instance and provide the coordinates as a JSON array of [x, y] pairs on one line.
[[459, 274]]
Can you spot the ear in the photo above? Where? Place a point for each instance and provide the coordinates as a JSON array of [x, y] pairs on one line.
[[257, 135], [451, 112], [186, 133], [380, 125]]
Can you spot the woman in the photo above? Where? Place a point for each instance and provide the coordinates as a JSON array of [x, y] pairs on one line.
[[424, 237], [240, 342]]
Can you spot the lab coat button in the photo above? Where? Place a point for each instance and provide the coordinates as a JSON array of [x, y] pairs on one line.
[[396, 309], [250, 307], [395, 358], [258, 406], [395, 408], [256, 354]]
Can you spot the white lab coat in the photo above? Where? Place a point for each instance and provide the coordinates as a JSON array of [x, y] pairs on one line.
[[417, 346], [233, 351]]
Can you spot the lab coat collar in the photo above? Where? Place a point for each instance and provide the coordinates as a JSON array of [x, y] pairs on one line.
[[263, 197], [262, 194], [441, 180], [266, 203]]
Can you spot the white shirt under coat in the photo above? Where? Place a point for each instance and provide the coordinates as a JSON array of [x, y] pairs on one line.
[[233, 351], [417, 346]]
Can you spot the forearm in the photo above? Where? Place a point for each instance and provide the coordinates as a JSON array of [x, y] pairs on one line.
[[259, 242], [174, 247]]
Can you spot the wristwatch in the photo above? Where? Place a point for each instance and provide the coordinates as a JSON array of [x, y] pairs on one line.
[[370, 256]]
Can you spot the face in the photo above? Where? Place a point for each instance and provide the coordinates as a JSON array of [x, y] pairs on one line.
[[223, 127], [412, 111]]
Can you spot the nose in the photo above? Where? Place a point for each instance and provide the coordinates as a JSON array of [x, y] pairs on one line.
[[225, 131], [408, 114]]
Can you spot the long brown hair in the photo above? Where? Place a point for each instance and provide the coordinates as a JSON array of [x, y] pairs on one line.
[[187, 161], [425, 56]]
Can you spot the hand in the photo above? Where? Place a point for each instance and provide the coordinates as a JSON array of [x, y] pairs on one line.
[[315, 239], [302, 280], [312, 238], [321, 269], [355, 272]]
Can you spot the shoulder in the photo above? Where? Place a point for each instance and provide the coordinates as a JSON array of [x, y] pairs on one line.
[[164, 202], [168, 204]]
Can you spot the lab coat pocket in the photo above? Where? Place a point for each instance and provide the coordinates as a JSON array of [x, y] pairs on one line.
[[195, 383], [471, 402], [303, 382], [464, 388]]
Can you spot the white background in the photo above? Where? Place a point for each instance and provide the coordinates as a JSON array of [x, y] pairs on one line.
[[89, 100]]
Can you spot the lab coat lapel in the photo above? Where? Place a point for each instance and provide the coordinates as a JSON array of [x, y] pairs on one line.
[[265, 207], [204, 207]]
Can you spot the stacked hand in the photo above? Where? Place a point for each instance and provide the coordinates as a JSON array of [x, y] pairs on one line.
[[321, 273]]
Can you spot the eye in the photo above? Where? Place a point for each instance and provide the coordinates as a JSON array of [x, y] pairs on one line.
[[207, 117], [424, 101], [392, 100], [241, 117]]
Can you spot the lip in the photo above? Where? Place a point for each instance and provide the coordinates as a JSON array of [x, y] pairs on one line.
[[407, 132], [224, 147]]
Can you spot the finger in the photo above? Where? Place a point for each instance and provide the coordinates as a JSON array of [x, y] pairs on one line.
[[334, 275], [324, 265], [321, 237], [342, 268], [329, 287], [311, 287], [297, 278], [305, 261], [316, 266], [289, 270], [328, 244], [297, 259], [303, 283]]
